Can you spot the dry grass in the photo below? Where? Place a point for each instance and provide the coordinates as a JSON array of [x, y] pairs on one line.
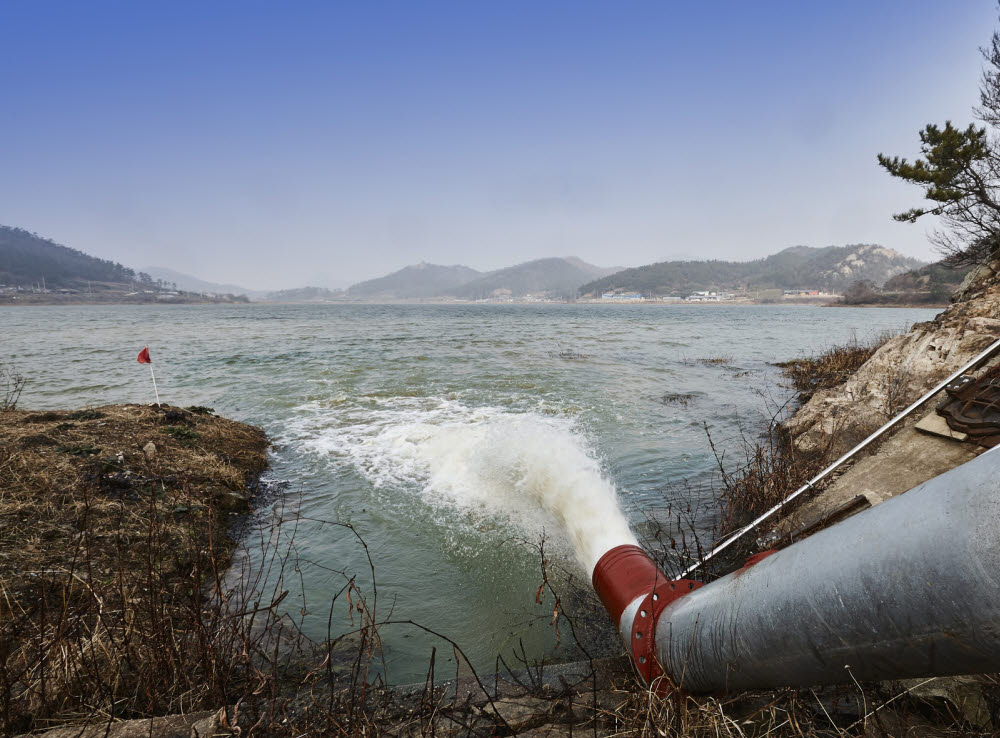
[[877, 710], [717, 360], [105, 554], [768, 471], [834, 366], [67, 475]]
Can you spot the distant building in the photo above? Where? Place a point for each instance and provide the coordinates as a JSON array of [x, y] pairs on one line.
[[623, 296], [709, 296], [792, 294]]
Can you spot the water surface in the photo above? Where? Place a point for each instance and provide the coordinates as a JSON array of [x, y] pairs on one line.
[[431, 428]]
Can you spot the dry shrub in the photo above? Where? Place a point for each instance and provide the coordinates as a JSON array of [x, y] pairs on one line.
[[768, 472], [11, 384], [833, 367], [883, 709]]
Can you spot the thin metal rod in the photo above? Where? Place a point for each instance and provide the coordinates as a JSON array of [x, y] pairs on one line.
[[808, 485], [155, 391]]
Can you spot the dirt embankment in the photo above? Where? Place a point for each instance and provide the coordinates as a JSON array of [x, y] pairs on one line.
[[112, 522]]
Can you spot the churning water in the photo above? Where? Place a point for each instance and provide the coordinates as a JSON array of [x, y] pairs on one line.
[[451, 437], [529, 470]]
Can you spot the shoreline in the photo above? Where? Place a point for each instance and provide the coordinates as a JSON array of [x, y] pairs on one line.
[[132, 303], [445, 303]]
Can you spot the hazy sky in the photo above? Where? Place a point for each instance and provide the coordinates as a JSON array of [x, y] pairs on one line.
[[286, 143]]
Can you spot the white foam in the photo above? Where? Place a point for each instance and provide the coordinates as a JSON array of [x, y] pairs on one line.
[[535, 471]]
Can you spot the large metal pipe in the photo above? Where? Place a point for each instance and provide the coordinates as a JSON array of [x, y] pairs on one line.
[[908, 588], [971, 365]]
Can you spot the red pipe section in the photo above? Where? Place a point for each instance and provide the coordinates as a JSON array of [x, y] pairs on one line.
[[625, 574]]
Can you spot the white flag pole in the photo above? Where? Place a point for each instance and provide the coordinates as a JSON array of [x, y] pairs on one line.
[[155, 391]]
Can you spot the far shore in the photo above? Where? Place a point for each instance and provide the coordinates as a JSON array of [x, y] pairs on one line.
[[669, 303]]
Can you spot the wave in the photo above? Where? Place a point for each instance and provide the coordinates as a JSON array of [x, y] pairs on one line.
[[535, 471]]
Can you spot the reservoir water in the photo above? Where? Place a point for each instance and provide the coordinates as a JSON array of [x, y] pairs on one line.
[[452, 437]]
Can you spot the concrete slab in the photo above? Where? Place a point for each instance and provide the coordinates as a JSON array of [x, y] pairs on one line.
[[934, 425], [905, 460]]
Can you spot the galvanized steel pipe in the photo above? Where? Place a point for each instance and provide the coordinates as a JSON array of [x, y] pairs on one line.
[[908, 588]]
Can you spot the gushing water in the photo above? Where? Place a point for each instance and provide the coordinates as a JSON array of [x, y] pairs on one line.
[[532, 470]]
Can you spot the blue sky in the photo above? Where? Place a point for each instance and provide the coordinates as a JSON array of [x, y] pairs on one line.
[[280, 144]]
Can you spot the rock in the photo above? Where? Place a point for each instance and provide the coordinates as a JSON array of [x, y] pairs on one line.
[[546, 731], [520, 713], [963, 693], [898, 373], [891, 722], [211, 725], [233, 502], [976, 281], [171, 726], [149, 450]]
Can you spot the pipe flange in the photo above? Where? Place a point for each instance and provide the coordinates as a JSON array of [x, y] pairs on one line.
[[643, 641]]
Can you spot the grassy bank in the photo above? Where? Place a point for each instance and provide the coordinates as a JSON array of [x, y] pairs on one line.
[[113, 525]]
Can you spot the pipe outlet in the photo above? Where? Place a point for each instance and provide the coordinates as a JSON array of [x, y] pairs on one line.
[[634, 592]]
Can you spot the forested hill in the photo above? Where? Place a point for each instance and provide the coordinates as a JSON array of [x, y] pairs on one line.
[[830, 268], [28, 259], [414, 282], [551, 277], [37, 271], [555, 276]]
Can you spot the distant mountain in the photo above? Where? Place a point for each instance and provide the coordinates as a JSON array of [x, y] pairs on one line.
[[932, 284], [829, 268], [591, 268], [304, 294], [415, 282], [193, 284], [552, 277], [933, 277], [28, 259], [38, 271]]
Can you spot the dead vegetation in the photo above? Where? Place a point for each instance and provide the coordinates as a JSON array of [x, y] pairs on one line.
[[886, 709], [768, 472], [11, 385], [110, 528], [833, 367]]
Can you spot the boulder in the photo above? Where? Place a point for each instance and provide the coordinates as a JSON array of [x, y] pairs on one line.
[[192, 725], [233, 502], [905, 368]]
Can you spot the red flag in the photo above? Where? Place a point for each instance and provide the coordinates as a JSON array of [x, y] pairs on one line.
[[144, 356]]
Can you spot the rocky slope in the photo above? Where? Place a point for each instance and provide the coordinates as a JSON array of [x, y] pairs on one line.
[[830, 268], [903, 369]]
